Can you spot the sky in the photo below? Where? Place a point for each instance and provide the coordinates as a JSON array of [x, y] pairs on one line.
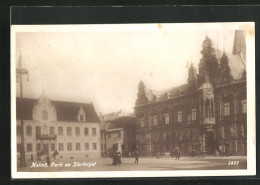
[[105, 66]]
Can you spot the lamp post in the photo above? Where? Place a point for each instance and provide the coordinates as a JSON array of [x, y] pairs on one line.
[[19, 76]]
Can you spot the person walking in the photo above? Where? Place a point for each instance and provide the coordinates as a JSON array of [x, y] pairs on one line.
[[136, 155], [178, 154], [48, 160], [119, 158]]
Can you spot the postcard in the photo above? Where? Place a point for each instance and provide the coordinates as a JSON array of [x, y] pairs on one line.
[[133, 100]]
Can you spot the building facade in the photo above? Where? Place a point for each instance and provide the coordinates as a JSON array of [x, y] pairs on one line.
[[207, 114], [118, 135], [71, 129]]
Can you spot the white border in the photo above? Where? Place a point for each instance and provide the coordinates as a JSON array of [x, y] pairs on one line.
[[249, 27]]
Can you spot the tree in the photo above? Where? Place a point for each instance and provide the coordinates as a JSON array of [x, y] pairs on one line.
[[192, 78], [224, 70]]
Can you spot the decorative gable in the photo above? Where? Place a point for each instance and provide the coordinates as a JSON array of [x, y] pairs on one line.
[[81, 115], [44, 110]]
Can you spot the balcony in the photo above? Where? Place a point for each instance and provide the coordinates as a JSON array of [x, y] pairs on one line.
[[45, 137]]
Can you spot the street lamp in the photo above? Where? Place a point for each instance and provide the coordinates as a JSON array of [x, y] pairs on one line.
[[19, 76]]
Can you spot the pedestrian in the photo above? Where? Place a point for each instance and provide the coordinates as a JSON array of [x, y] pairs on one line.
[[178, 154], [119, 158], [31, 157], [114, 157], [136, 155], [48, 160]]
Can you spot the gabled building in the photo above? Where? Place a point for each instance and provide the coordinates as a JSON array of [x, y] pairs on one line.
[[70, 128], [118, 134], [207, 114]]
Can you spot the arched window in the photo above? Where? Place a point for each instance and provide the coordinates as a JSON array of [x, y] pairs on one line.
[[44, 114]]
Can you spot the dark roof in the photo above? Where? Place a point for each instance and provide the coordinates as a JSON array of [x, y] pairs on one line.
[[66, 111], [127, 122]]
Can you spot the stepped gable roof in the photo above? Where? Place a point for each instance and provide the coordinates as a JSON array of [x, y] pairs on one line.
[[66, 111], [236, 63]]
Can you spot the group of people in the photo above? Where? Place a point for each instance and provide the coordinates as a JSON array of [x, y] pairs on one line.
[[176, 153], [116, 156]]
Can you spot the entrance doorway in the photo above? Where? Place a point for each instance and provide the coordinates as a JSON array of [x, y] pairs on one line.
[[46, 149], [210, 142]]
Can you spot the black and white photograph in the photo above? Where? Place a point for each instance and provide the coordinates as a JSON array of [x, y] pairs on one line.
[[133, 100]]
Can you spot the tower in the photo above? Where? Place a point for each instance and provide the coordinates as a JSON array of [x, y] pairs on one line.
[[239, 46], [141, 95]]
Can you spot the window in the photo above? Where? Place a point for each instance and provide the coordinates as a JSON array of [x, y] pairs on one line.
[[94, 133], [94, 146], [52, 131], [86, 131], [61, 147], [29, 147], [38, 147], [167, 118], [60, 131], [189, 119], [38, 131], [222, 132], [155, 120], [19, 147], [81, 117], [101, 146], [142, 122], [179, 116], [69, 146], [232, 131], [77, 130], [18, 130], [193, 114], [28, 130], [52, 146], [69, 131], [77, 146], [243, 102], [242, 131], [44, 114], [226, 109], [86, 146]]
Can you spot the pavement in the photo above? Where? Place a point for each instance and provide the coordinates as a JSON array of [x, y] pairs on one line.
[[145, 164]]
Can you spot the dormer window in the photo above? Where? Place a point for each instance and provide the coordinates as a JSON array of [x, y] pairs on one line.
[[81, 117], [44, 114]]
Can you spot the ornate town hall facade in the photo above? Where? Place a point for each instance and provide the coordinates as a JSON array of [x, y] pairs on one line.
[[208, 114]]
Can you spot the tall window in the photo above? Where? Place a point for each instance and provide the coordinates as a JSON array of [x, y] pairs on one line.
[[60, 131], [167, 118], [243, 102], [193, 114], [52, 131], [142, 122], [86, 131], [69, 146], [44, 114], [69, 131], [38, 131], [94, 146], [77, 146], [155, 120], [18, 130], [29, 147], [179, 116], [94, 131], [52, 146], [226, 109], [77, 130], [28, 130], [61, 147], [86, 146]]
